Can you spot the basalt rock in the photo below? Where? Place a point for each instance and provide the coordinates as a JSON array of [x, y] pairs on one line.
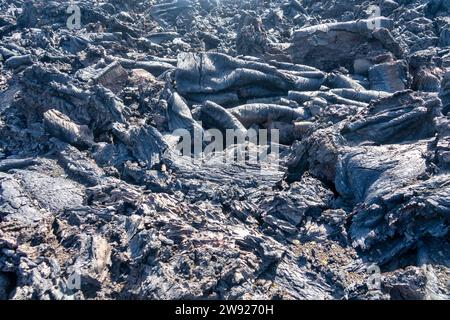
[[389, 77], [348, 173], [208, 73], [316, 45], [445, 93]]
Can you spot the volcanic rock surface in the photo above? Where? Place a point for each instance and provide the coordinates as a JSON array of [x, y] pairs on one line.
[[97, 203]]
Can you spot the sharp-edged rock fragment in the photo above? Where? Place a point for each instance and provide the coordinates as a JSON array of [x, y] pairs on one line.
[[389, 77], [60, 126], [113, 77], [321, 139]]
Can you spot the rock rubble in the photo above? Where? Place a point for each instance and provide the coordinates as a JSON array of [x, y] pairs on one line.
[[96, 201]]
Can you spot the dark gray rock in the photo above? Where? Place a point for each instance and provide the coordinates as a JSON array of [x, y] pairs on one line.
[[60, 126], [389, 77], [96, 201], [445, 93], [213, 72], [316, 45], [214, 116]]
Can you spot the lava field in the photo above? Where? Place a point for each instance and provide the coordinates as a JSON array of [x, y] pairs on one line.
[[118, 179]]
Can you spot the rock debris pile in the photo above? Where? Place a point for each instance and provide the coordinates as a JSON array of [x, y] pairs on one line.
[[97, 203]]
